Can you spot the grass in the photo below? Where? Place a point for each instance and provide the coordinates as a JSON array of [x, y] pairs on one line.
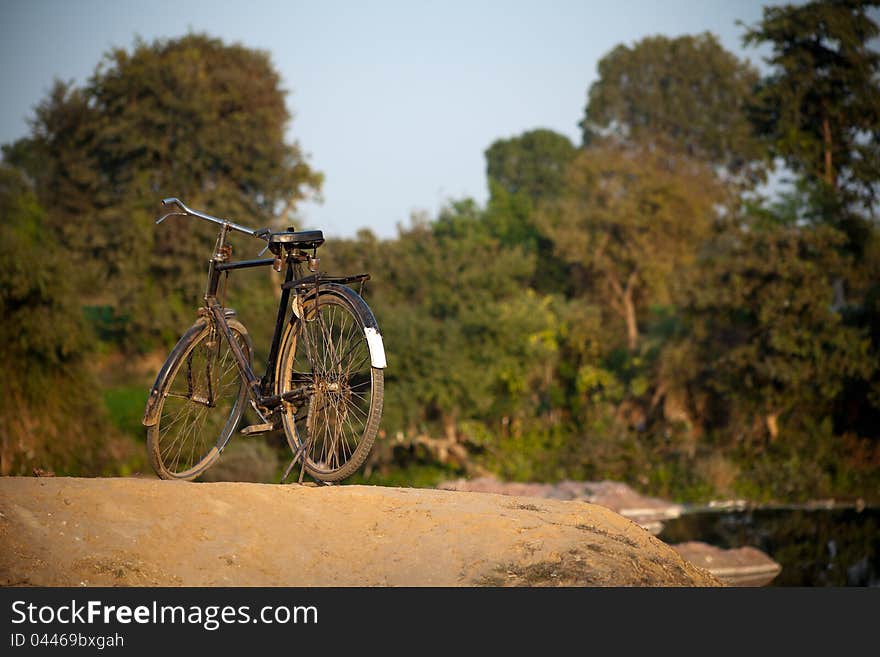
[[125, 404], [409, 476]]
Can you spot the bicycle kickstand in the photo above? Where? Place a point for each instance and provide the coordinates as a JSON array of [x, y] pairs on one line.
[[300, 455], [297, 456]]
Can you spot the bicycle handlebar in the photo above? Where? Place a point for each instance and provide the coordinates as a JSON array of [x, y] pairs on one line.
[[263, 233]]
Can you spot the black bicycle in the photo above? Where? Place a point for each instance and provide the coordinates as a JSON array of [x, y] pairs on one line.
[[324, 379]]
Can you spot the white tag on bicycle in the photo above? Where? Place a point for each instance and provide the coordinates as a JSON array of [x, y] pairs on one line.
[[377, 347]]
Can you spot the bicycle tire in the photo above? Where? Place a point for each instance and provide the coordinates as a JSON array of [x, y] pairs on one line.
[[341, 416], [194, 427]]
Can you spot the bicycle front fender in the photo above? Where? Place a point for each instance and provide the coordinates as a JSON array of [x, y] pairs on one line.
[[151, 413]]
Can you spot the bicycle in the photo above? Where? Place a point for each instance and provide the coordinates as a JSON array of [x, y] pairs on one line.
[[324, 378]]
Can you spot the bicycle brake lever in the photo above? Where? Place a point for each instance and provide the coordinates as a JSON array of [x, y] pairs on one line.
[[170, 214], [263, 234]]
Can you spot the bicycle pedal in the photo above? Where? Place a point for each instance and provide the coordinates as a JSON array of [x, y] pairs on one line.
[[258, 428]]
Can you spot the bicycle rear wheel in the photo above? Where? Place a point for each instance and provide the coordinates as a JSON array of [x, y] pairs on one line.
[[325, 354], [201, 402]]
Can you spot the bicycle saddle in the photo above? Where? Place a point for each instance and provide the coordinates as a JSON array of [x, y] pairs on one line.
[[303, 239]]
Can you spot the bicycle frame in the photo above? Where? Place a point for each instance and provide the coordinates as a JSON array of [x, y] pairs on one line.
[[259, 388], [320, 385]]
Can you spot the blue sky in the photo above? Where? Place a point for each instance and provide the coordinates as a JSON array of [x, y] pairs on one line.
[[395, 102]]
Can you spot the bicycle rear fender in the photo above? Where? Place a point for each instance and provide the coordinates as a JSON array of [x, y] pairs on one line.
[[371, 327]]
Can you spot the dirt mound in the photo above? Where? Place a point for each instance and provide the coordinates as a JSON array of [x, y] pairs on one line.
[[57, 531], [648, 512]]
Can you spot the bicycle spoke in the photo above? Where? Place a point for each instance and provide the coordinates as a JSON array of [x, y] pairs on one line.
[[190, 433], [204, 397], [184, 418], [331, 355]]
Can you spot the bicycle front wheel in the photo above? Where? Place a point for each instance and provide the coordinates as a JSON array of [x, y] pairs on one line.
[[201, 400], [325, 354]]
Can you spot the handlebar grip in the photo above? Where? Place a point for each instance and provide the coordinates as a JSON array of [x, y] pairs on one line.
[[172, 201]]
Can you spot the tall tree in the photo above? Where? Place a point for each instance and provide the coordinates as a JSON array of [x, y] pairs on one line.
[[51, 415], [628, 219], [819, 107], [463, 327], [522, 171], [763, 314], [189, 117], [686, 93], [532, 163]]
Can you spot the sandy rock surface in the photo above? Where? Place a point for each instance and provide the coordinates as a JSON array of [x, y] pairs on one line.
[[58, 531], [649, 512]]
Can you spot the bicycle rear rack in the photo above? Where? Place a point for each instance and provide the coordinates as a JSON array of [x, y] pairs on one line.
[[314, 280]]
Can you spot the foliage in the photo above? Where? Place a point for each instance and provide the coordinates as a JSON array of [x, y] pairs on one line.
[[763, 318], [623, 310], [463, 319], [686, 93], [819, 109], [188, 117], [522, 171], [125, 407], [629, 218], [46, 380], [533, 163]]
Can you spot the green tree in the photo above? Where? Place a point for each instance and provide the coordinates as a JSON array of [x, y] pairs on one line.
[[459, 295], [468, 342], [522, 172], [686, 94], [533, 163], [819, 108], [628, 220], [51, 416], [772, 341], [189, 117], [57, 158]]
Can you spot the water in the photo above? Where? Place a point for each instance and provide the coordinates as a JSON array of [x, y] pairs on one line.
[[824, 547]]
